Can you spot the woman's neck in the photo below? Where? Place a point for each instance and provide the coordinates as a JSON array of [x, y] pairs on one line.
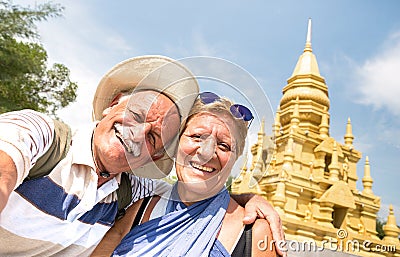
[[185, 195], [189, 197]]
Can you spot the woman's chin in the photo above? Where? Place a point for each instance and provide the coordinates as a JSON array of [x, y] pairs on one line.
[[197, 191]]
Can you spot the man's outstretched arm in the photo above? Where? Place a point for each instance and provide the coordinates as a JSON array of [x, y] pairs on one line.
[[8, 178], [257, 207], [25, 136]]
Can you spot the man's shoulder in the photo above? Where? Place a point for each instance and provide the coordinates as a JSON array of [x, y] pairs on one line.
[[26, 114]]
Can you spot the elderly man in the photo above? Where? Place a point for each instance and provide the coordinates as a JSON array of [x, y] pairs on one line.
[[60, 193], [67, 211]]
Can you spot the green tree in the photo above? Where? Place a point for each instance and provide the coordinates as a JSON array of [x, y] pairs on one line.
[[379, 227], [229, 182], [25, 79]]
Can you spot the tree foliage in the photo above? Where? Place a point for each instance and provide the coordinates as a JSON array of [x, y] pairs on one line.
[[25, 79], [229, 182], [379, 228]]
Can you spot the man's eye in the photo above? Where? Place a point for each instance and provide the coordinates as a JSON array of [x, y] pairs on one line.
[[137, 117], [152, 139]]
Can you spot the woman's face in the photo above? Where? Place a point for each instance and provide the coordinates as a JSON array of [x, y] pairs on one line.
[[206, 155]]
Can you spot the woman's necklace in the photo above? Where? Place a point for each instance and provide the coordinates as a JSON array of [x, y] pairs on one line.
[[103, 174]]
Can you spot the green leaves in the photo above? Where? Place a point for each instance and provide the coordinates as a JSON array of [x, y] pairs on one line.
[[18, 21], [25, 79]]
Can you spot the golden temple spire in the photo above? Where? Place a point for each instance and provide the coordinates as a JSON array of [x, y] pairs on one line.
[[245, 161], [277, 125], [307, 63], [294, 122], [289, 147], [261, 133], [257, 163], [308, 40], [243, 170], [390, 229], [288, 155], [367, 179], [334, 166], [309, 86], [324, 126], [348, 137], [279, 198]]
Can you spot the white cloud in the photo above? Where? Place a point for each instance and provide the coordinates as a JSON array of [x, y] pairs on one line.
[[201, 46], [377, 78], [195, 45]]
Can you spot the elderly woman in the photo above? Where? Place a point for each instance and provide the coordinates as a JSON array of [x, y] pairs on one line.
[[197, 217]]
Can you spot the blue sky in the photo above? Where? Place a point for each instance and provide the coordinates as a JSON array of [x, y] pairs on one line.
[[357, 45]]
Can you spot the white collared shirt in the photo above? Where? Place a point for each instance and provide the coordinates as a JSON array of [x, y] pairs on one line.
[[64, 213]]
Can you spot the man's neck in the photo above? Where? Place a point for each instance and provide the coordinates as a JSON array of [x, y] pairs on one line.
[[101, 180]]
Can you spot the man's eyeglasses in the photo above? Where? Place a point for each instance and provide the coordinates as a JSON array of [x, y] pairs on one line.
[[238, 111]]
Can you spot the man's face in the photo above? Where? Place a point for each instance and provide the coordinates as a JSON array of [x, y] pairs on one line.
[[134, 131]]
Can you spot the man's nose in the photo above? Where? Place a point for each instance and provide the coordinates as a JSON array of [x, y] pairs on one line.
[[137, 133], [207, 148]]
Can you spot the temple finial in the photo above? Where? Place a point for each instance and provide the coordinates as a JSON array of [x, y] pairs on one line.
[[307, 63], [308, 40], [244, 167], [348, 137], [324, 126], [277, 125], [295, 121], [367, 179], [390, 228], [262, 127], [334, 168]]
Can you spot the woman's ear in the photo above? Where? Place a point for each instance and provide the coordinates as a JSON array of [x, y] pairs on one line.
[[114, 102]]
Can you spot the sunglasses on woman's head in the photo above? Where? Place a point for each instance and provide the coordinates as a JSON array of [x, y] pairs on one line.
[[238, 111]]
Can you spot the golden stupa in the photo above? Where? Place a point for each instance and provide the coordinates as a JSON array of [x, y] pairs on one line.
[[310, 177]]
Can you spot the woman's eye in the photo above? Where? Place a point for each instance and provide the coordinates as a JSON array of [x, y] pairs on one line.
[[224, 147]]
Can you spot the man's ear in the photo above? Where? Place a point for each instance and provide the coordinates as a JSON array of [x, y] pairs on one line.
[[114, 101], [158, 156]]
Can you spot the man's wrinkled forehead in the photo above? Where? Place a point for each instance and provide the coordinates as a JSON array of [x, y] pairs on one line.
[[156, 109], [154, 101]]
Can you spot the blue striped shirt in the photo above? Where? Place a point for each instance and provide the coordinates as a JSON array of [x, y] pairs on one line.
[[64, 213]]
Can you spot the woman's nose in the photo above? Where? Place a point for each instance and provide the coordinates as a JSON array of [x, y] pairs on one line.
[[207, 148]]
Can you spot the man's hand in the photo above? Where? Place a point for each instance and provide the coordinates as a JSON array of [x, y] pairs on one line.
[[257, 207], [117, 232]]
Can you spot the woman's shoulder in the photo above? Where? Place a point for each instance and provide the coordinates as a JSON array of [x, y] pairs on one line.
[[233, 216], [232, 225]]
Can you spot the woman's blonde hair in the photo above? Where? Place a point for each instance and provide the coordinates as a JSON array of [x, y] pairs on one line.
[[219, 107]]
